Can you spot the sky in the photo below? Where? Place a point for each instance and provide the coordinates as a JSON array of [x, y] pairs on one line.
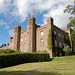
[[16, 12]]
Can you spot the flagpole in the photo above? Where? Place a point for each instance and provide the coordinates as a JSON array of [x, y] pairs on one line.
[[31, 13]]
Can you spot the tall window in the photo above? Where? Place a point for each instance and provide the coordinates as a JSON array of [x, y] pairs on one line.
[[42, 43], [24, 37], [59, 34], [24, 47], [21, 38], [55, 43], [64, 44], [42, 33], [59, 44], [54, 32], [63, 36]]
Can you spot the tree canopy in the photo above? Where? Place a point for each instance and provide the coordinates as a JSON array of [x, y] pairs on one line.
[[71, 9]]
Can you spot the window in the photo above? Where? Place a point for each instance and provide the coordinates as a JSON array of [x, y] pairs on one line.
[[54, 32], [41, 33], [59, 44], [64, 44], [25, 38], [21, 38], [24, 47], [55, 43], [63, 36], [42, 43], [59, 34]]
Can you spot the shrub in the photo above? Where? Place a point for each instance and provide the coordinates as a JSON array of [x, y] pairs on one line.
[[7, 60], [8, 51], [67, 50]]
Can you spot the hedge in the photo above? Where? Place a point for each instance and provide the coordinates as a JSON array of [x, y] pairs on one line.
[[8, 51], [8, 60]]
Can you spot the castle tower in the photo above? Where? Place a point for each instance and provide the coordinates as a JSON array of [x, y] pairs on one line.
[[31, 34], [49, 22], [50, 25], [16, 39]]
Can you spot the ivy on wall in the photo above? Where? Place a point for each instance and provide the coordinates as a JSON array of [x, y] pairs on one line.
[[50, 39], [68, 40]]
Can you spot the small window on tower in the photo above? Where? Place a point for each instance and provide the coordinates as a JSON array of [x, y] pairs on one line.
[[41, 33], [54, 32], [59, 34], [59, 44], [64, 44], [25, 38], [21, 38]]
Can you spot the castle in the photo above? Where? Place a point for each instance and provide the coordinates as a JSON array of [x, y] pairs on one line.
[[34, 37]]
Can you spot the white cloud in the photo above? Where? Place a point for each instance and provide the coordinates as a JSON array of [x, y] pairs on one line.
[[22, 9], [60, 18], [7, 26], [5, 6], [11, 32], [2, 23]]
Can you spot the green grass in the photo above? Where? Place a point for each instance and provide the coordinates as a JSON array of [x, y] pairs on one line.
[[58, 66]]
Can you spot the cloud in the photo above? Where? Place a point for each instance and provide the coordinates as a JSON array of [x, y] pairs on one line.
[[11, 32], [4, 23], [54, 9], [5, 6], [19, 10], [60, 18], [7, 26]]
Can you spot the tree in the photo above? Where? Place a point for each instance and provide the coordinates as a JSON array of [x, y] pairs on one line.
[[67, 50], [71, 9]]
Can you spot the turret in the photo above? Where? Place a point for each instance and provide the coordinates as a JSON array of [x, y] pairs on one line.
[[16, 38], [31, 34], [49, 22]]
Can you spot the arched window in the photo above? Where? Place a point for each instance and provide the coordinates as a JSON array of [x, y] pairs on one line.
[[24, 47], [42, 33], [59, 44], [42, 43]]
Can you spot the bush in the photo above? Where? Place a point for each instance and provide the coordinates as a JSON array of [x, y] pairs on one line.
[[67, 50], [7, 60], [8, 51]]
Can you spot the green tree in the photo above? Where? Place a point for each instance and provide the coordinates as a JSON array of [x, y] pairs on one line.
[[71, 9], [67, 50]]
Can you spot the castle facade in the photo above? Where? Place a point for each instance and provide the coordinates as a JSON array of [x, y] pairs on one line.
[[34, 37]]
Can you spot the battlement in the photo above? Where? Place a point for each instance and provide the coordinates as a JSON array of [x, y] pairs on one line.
[[23, 30], [4, 45]]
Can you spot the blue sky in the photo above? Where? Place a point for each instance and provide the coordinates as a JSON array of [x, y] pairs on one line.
[[15, 12]]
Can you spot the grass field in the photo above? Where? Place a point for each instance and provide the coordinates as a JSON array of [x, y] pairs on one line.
[[58, 66]]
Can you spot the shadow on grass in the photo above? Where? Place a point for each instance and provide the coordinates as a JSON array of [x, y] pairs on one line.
[[31, 72]]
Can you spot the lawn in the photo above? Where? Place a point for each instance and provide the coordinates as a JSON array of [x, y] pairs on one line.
[[58, 66]]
